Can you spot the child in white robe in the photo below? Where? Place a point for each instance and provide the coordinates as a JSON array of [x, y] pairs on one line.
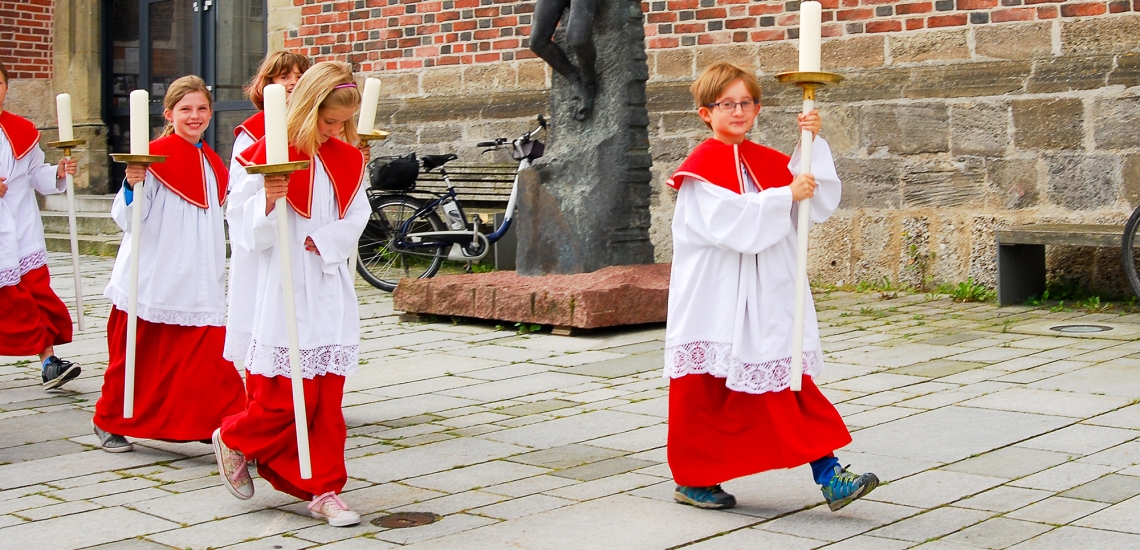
[[34, 319], [327, 211]]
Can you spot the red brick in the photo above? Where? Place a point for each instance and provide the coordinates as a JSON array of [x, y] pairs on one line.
[[955, 20], [890, 25], [915, 23], [767, 35], [711, 13], [828, 31], [663, 42], [689, 28], [661, 17], [1013, 14], [976, 4], [740, 23], [1031, 2], [1085, 9], [1047, 12], [1118, 7], [765, 9], [854, 15], [677, 5]]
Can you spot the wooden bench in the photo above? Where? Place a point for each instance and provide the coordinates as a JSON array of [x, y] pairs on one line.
[[1021, 254], [482, 187]]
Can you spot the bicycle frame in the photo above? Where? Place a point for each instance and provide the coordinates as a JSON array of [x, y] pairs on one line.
[[469, 245]]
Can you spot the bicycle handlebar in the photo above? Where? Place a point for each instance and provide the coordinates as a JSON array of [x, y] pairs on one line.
[[499, 142]]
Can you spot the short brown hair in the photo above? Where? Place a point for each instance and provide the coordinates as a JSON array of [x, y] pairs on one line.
[[4, 72], [718, 77], [274, 65]]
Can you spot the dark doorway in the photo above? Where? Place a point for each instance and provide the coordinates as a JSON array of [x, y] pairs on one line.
[[150, 43]]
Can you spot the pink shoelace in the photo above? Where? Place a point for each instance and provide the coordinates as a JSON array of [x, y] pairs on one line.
[[319, 501]]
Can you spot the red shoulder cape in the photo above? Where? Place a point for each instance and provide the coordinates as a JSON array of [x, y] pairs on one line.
[[183, 171], [719, 164], [21, 133], [254, 126], [343, 162]]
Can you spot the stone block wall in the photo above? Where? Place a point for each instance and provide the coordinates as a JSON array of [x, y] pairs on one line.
[[1022, 111]]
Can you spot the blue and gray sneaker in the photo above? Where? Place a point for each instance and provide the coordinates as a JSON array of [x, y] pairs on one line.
[[845, 487], [704, 497]]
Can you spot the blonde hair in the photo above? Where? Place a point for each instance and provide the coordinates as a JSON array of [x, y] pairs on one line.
[[320, 88], [274, 65], [717, 78], [179, 89]]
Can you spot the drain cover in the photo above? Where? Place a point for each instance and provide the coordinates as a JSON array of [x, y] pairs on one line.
[[1080, 329], [405, 519]]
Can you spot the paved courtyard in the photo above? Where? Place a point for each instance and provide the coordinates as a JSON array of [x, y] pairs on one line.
[[991, 430]]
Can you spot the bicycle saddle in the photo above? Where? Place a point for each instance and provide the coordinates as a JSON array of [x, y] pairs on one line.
[[431, 162]]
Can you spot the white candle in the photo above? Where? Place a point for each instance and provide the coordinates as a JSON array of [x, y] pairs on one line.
[[368, 106], [63, 115], [810, 20], [140, 122], [276, 137]]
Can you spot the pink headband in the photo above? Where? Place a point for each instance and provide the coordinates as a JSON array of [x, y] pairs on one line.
[[348, 85]]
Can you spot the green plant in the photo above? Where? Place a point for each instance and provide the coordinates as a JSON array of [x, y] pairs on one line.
[[481, 268], [918, 262], [971, 291], [526, 328]]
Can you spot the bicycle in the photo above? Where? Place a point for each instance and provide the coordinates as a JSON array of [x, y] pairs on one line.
[[1129, 253], [407, 238]]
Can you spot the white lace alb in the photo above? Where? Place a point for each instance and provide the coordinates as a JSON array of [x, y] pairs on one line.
[[716, 358], [271, 361], [12, 275], [171, 316]]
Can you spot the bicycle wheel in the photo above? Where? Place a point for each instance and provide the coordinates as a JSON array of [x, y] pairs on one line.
[[382, 263], [1130, 251]]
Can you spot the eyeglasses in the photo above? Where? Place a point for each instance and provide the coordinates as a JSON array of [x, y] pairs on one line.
[[748, 105]]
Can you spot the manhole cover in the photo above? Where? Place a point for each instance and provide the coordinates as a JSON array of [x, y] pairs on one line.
[[1080, 329], [405, 519]]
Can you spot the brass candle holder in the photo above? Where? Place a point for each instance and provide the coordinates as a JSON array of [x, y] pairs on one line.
[[67, 145], [376, 135], [145, 160], [279, 169], [809, 81]]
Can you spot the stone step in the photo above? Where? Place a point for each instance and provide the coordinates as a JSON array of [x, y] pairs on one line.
[[83, 203], [96, 245], [86, 223]]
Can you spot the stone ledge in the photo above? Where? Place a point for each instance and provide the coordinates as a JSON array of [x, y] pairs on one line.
[[612, 296]]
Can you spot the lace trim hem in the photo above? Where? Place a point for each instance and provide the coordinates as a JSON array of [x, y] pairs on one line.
[[171, 316], [12, 275], [271, 361], [717, 359]]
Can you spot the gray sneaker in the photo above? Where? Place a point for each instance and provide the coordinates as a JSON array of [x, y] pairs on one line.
[[112, 443], [57, 372]]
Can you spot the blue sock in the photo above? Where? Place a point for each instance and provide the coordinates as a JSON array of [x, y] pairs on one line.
[[45, 363], [823, 469]]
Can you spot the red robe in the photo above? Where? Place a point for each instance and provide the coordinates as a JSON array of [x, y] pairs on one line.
[[34, 317], [183, 385], [716, 434]]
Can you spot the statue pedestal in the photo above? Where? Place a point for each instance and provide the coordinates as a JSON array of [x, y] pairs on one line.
[[612, 296], [585, 205]]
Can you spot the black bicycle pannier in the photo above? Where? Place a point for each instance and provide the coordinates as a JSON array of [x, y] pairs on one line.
[[394, 173]]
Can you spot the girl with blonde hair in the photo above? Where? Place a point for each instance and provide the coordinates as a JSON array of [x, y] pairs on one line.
[[327, 211], [183, 385]]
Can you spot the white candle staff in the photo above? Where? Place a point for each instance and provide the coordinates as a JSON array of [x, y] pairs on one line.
[[365, 127], [66, 142], [808, 77], [139, 155], [277, 153]]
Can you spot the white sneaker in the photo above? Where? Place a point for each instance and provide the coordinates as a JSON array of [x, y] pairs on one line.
[[330, 507], [233, 468]]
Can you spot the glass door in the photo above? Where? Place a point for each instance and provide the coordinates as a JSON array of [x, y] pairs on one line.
[[151, 43]]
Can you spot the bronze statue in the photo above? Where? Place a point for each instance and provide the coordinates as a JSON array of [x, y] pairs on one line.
[[579, 33]]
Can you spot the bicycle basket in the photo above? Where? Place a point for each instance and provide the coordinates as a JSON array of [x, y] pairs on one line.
[[394, 173]]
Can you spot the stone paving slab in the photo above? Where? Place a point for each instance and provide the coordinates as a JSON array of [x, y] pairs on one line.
[[987, 435]]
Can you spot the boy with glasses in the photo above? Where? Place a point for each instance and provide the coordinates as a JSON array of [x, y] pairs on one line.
[[728, 339]]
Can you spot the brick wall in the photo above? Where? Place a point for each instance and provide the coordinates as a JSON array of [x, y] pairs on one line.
[[406, 34], [26, 38]]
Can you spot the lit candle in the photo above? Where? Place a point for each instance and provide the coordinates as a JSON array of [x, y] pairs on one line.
[[63, 115], [276, 138], [140, 122], [810, 20], [368, 106]]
